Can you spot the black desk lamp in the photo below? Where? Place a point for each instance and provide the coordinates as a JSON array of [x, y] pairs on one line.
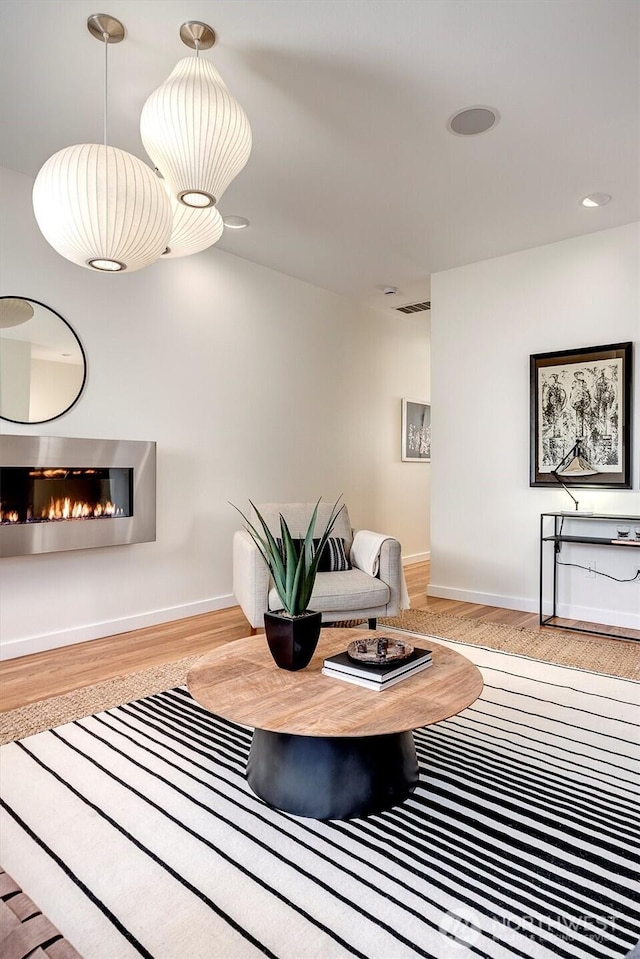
[[573, 464]]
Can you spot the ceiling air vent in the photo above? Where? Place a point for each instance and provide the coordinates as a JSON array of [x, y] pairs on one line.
[[414, 307]]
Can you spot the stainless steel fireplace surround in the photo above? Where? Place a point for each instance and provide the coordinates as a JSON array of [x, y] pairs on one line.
[[58, 493]]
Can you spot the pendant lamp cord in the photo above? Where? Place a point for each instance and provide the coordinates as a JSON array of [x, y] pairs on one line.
[[197, 43], [105, 37]]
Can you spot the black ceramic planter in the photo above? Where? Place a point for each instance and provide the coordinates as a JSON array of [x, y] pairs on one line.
[[292, 640]]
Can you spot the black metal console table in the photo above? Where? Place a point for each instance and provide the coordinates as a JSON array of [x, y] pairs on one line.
[[558, 537]]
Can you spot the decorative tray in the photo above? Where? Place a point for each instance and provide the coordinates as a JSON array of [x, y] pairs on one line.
[[378, 650]]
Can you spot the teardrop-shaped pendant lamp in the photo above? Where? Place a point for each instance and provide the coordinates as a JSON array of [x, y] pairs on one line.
[[193, 129], [193, 230], [98, 206]]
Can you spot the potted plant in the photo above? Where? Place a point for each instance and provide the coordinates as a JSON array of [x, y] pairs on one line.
[[292, 632]]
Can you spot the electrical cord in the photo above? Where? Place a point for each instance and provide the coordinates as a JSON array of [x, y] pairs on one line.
[[597, 572]]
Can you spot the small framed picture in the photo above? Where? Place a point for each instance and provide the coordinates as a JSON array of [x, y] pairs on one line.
[[416, 431], [581, 402]]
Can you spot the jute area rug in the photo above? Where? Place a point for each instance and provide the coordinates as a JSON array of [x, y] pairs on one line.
[[614, 657], [135, 832]]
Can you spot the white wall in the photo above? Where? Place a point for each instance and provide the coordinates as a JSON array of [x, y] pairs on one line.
[[487, 319], [251, 383], [54, 386], [15, 378], [393, 360]]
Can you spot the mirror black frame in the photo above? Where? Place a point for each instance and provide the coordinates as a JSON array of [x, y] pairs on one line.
[[30, 299]]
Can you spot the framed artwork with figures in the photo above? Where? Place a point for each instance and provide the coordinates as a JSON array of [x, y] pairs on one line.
[[582, 396], [416, 431]]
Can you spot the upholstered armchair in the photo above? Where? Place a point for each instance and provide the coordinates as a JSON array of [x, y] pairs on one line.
[[374, 585]]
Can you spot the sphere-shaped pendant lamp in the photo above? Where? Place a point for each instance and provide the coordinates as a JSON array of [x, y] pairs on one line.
[[102, 208], [98, 206], [194, 130]]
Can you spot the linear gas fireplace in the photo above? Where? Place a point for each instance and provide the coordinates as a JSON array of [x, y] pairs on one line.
[[59, 494]]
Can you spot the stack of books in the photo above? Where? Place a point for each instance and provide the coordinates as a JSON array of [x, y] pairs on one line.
[[341, 666]]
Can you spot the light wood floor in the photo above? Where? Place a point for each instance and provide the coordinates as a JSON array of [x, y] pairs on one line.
[[30, 679]]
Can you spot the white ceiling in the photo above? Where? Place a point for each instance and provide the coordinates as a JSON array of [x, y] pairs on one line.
[[354, 182]]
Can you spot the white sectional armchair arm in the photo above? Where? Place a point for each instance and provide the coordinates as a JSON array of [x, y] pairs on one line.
[[251, 579], [391, 573], [381, 556]]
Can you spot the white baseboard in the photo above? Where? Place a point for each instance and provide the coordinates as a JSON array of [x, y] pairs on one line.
[[416, 558], [13, 648], [80, 634], [484, 599], [607, 617]]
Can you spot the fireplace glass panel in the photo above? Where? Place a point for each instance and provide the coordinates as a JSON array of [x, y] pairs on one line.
[[54, 494]]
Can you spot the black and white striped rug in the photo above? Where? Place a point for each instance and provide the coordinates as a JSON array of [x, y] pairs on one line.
[[136, 834]]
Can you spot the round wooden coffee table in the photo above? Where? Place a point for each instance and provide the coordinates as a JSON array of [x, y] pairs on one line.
[[323, 748]]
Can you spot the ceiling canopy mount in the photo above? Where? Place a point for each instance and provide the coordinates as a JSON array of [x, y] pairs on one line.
[[105, 28], [197, 35]]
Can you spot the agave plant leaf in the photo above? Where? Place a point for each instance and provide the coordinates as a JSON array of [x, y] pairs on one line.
[[300, 600], [306, 572], [273, 546], [312, 567], [268, 548], [297, 560], [291, 560], [331, 522]]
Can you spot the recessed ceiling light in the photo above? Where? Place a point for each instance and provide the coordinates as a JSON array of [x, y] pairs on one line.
[[595, 199], [235, 222], [472, 121]]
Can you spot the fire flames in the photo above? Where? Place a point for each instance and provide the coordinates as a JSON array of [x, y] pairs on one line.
[[78, 509], [65, 508]]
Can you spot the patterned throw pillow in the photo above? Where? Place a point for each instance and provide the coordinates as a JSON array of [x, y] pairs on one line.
[[334, 557]]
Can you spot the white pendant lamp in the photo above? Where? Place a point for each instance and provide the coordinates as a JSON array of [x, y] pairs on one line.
[[193, 230], [193, 129], [14, 311], [100, 207]]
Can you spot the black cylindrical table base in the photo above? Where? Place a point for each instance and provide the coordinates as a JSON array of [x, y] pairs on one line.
[[332, 778]]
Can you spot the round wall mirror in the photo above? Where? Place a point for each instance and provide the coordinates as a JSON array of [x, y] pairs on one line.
[[42, 364]]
